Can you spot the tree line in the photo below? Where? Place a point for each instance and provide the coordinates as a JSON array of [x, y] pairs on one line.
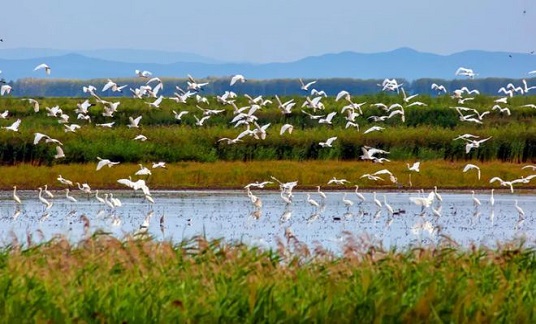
[[42, 87]]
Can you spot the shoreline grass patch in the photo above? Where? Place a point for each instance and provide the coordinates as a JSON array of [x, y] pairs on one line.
[[104, 279]]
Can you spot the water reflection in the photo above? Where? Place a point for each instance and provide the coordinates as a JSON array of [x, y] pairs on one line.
[[178, 215]]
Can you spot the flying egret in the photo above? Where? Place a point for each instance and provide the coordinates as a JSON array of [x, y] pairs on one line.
[[134, 122], [43, 66], [414, 167], [286, 128], [143, 74], [64, 181], [105, 162], [338, 181], [328, 142], [13, 127], [374, 129], [305, 86], [161, 165], [470, 166], [236, 78], [59, 153]]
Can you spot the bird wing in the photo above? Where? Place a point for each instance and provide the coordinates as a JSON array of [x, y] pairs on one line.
[[38, 137], [16, 124], [496, 179], [102, 163], [41, 66], [59, 152], [342, 94], [108, 85], [331, 140], [331, 115]]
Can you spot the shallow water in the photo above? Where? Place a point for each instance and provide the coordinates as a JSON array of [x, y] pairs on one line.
[[179, 215]]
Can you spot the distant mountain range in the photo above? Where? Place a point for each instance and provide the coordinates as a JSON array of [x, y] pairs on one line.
[[400, 63]]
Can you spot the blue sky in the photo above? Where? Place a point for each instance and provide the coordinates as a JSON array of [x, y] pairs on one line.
[[271, 31]]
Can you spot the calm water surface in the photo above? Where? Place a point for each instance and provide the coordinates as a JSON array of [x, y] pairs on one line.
[[179, 215]]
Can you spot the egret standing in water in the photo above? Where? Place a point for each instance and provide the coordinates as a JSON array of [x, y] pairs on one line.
[[15, 196]]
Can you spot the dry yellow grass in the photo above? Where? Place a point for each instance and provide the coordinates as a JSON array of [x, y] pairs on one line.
[[228, 175]]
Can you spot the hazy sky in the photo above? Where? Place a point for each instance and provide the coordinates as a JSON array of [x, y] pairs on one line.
[[269, 31]]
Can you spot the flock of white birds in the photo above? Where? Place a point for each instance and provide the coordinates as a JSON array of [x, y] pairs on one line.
[[245, 117]]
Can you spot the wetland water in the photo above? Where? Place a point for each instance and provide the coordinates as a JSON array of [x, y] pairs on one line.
[[179, 215]]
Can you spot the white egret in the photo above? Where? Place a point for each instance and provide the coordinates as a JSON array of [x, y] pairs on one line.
[[376, 201], [99, 199], [437, 195], [374, 129], [423, 201], [328, 142], [237, 78], [476, 201], [347, 202], [105, 162], [414, 167], [338, 181], [43, 66], [143, 74], [328, 119], [305, 86], [387, 206], [258, 184], [15, 196], [84, 187], [470, 166], [108, 202], [286, 128], [64, 181], [143, 171], [45, 202], [134, 122], [141, 138], [159, 165], [59, 153], [519, 210], [5, 89], [323, 195], [70, 198], [13, 127], [47, 192], [312, 202], [358, 194], [115, 201]]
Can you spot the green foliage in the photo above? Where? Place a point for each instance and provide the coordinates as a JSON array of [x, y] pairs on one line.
[[427, 133], [103, 279]]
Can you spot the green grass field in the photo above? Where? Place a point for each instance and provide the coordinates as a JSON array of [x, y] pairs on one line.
[[103, 279]]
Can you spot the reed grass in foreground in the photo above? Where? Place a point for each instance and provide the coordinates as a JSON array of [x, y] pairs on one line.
[[234, 175], [103, 279]]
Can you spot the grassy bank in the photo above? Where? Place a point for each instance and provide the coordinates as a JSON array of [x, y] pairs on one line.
[[229, 175], [426, 133], [103, 279]]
